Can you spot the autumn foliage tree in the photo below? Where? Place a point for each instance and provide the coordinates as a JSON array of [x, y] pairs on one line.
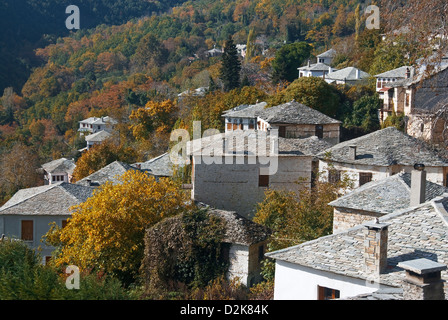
[[101, 155], [106, 232]]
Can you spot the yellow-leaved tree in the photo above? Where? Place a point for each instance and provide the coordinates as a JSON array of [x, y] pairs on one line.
[[105, 233]]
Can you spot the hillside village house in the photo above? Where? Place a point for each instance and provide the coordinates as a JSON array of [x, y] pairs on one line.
[[422, 99], [96, 124], [29, 212], [380, 154], [348, 76], [96, 138], [58, 170], [292, 119], [227, 173], [378, 198], [246, 244], [396, 255], [315, 70], [326, 57]]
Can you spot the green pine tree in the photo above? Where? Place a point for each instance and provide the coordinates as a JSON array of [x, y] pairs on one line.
[[230, 67]]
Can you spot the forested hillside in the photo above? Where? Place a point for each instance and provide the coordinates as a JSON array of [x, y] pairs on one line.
[[30, 24], [133, 69]]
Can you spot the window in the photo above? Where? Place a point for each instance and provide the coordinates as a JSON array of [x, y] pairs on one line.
[[229, 126], [325, 293], [63, 223], [263, 180], [282, 131], [260, 253], [251, 125], [334, 176], [364, 177], [27, 230], [319, 131]]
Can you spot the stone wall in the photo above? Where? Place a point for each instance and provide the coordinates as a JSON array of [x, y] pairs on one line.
[[344, 218], [235, 187]]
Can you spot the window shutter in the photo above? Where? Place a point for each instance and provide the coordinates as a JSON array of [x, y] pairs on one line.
[[27, 230]]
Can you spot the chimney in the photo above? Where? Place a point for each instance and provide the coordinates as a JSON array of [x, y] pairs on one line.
[[309, 63], [357, 74], [418, 185], [375, 248], [408, 73], [352, 152], [423, 280]]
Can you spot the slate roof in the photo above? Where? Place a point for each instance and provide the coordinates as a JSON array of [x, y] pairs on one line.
[[98, 136], [387, 195], [54, 199], [286, 146], [59, 165], [160, 166], [111, 173], [395, 73], [316, 67], [349, 74], [384, 148], [419, 232], [240, 230], [327, 54], [245, 110], [100, 120], [294, 113]]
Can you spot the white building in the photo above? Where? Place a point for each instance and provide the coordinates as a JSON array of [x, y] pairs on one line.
[[349, 75], [315, 70], [59, 170], [94, 125], [370, 259], [326, 57]]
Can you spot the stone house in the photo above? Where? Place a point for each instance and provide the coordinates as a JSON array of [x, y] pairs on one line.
[[292, 119], [394, 254], [378, 198], [315, 70], [247, 245], [244, 244], [96, 124], [229, 174], [348, 76], [58, 170], [96, 138], [422, 99], [29, 212], [380, 154], [386, 79], [326, 57]]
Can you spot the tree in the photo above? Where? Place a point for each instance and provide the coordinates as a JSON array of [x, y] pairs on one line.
[[288, 59], [23, 277], [300, 215], [106, 232], [313, 92], [99, 156], [18, 169], [365, 113], [230, 66], [155, 116], [250, 46]]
